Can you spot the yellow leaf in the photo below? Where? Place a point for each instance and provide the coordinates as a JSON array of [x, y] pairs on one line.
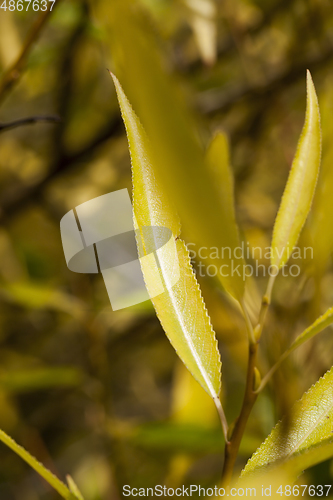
[[307, 440], [300, 188], [180, 308]]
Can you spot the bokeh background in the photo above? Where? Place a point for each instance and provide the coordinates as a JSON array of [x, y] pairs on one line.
[[98, 394]]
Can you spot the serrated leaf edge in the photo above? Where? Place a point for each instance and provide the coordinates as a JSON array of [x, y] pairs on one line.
[[283, 260], [269, 437], [189, 267]]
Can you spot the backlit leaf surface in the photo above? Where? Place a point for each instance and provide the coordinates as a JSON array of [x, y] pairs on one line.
[[300, 188], [180, 308], [308, 440]]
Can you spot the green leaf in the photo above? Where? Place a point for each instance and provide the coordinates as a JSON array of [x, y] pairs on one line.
[[58, 485], [180, 308], [300, 188], [179, 164], [318, 326], [74, 489], [178, 437], [307, 441], [19, 381], [37, 296]]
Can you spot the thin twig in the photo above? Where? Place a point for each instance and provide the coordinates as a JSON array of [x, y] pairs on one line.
[[219, 100], [273, 369], [28, 121], [13, 74], [13, 202], [247, 319], [266, 300]]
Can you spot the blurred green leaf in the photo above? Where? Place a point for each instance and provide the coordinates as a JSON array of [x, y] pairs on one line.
[[179, 157], [218, 162], [190, 403], [180, 308], [40, 378], [39, 296], [321, 226], [301, 184], [179, 437], [308, 438]]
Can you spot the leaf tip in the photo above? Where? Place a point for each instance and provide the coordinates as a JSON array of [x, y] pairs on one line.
[[116, 82], [309, 83], [113, 76]]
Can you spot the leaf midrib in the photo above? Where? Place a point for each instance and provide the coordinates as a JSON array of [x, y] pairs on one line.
[[298, 444], [188, 338], [299, 191]]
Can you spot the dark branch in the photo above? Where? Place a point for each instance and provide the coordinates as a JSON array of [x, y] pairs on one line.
[[29, 121], [13, 201], [217, 101], [13, 74]]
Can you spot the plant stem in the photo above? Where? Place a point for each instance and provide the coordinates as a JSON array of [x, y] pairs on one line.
[[248, 323], [266, 300], [232, 446], [250, 394]]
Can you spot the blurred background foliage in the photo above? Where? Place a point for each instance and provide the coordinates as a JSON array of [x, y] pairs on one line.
[[100, 394]]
